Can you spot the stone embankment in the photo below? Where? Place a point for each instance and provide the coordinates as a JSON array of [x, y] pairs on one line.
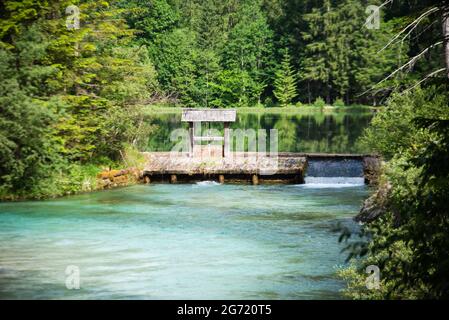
[[118, 178]]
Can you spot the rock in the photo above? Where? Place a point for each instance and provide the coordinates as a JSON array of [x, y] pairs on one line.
[[374, 206], [121, 180], [103, 175], [103, 183], [371, 170], [118, 178], [114, 173]]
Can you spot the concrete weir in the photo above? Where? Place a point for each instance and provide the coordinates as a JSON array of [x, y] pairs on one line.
[[217, 162], [253, 168], [247, 167]]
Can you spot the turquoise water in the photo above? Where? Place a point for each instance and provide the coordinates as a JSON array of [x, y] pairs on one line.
[[190, 241]]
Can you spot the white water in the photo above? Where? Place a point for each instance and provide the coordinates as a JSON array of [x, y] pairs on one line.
[[333, 182], [207, 183]]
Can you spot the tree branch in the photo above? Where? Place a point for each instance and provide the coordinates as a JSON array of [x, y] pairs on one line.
[[427, 77], [410, 64], [414, 24]]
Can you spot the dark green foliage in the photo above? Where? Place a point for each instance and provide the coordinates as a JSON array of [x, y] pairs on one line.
[[201, 49], [410, 241], [213, 46], [66, 96], [151, 17], [340, 56], [28, 148]]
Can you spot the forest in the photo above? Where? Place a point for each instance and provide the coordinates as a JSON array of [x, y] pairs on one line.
[[75, 96], [72, 100]]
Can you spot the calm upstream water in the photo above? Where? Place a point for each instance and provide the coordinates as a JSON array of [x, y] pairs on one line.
[[335, 132], [186, 241]]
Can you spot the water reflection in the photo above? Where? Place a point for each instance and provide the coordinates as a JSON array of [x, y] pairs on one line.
[[317, 132]]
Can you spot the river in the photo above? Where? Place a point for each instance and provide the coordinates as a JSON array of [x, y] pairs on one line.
[[185, 241]]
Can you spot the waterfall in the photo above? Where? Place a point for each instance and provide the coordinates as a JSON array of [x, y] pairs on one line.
[[334, 173]]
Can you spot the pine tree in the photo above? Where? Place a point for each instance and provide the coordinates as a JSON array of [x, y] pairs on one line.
[[340, 57], [285, 82], [28, 148], [67, 95]]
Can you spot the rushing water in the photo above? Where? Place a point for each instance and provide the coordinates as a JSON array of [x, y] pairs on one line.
[[335, 168], [315, 132], [180, 241]]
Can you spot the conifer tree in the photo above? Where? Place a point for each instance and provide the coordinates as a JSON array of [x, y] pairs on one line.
[[285, 82], [340, 56]]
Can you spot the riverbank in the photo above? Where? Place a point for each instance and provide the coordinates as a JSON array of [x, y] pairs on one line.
[[303, 109], [76, 178]]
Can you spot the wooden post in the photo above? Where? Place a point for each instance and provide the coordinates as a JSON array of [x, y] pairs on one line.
[[221, 178], [226, 143], [173, 178], [196, 117], [255, 179], [191, 142]]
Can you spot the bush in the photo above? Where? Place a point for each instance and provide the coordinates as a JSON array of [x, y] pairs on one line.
[[319, 103], [132, 157], [268, 102], [339, 103], [299, 104], [409, 239]]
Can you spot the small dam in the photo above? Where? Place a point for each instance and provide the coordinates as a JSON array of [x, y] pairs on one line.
[[256, 168], [216, 161]]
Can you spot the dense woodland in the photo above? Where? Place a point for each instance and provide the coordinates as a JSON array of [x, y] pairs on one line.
[[71, 100], [246, 53], [406, 220]]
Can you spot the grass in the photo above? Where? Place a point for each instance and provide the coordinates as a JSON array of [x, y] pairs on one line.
[[303, 109]]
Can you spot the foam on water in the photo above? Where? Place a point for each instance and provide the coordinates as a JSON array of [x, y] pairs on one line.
[[333, 182], [207, 183]]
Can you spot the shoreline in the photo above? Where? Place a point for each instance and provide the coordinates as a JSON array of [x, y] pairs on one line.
[[306, 109], [127, 179]]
